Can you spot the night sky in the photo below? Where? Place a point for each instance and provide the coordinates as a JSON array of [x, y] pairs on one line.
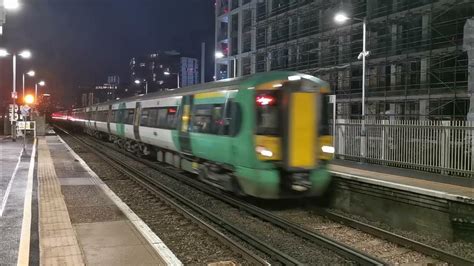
[[81, 42]]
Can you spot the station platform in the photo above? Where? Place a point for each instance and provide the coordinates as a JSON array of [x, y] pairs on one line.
[[75, 220], [424, 183], [414, 201]]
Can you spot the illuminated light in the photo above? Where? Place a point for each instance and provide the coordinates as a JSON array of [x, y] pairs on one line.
[[11, 4], [167, 73], [328, 149], [41, 83], [31, 73], [294, 78], [263, 151], [137, 81], [265, 100], [3, 53], [277, 85], [341, 18], [251, 88], [25, 54], [171, 110], [219, 54], [29, 99]]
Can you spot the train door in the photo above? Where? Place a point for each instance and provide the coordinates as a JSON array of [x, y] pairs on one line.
[[95, 117], [136, 120], [183, 125], [109, 117]]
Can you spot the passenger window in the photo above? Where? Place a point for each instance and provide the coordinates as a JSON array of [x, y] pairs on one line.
[[208, 118], [129, 116]]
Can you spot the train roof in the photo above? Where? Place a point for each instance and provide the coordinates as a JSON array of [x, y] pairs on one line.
[[218, 85]]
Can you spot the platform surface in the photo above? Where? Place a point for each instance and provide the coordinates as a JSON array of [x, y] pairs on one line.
[[447, 187], [15, 166], [80, 223]]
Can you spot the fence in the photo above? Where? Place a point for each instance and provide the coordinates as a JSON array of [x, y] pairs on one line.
[[445, 147]]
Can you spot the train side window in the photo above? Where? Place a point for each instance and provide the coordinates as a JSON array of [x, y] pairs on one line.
[[208, 118], [235, 118], [129, 116], [145, 117]]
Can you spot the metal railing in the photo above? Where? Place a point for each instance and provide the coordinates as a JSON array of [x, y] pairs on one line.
[[444, 147]]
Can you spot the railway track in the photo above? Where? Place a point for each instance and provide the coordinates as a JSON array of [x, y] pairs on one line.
[[339, 248], [279, 257]]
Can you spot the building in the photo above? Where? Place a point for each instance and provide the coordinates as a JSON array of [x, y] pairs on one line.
[[100, 93], [160, 71], [416, 68]]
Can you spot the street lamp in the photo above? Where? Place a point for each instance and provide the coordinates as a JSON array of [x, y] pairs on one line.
[[138, 82], [341, 18], [26, 54], [42, 84], [11, 4], [30, 73], [167, 73]]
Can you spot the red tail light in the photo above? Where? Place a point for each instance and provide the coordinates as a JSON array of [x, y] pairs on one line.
[[265, 100]]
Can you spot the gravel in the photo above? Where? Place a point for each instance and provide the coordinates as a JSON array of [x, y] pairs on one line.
[[379, 248], [459, 248]]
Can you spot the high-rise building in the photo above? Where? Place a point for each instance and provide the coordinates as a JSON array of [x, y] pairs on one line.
[[416, 67], [152, 68]]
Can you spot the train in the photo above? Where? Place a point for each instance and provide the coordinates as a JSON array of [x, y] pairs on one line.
[[264, 135]]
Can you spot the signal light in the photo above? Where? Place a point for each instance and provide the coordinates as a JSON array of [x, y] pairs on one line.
[[29, 99], [265, 100]]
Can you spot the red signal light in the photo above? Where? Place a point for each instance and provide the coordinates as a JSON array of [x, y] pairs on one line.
[[171, 110], [265, 100]]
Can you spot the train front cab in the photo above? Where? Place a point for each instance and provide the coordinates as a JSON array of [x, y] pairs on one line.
[[292, 142]]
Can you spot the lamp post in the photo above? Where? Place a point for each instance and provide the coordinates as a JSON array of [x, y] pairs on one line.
[[138, 82], [341, 18], [168, 73], [30, 73], [42, 84], [26, 55]]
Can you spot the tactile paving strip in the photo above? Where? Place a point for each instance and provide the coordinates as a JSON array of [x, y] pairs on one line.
[[58, 242]]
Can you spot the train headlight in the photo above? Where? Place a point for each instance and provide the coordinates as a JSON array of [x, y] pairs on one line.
[[264, 151], [328, 149]]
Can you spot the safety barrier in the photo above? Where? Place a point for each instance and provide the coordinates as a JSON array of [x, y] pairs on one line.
[[445, 147]]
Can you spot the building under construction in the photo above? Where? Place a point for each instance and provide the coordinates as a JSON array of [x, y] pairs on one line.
[[416, 67]]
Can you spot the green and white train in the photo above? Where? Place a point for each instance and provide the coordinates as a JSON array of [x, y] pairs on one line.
[[264, 135]]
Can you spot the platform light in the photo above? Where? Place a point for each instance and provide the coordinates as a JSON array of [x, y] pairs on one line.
[[219, 54], [137, 81], [25, 54], [42, 83], [11, 4], [167, 73], [31, 73], [29, 99], [341, 17], [3, 53]]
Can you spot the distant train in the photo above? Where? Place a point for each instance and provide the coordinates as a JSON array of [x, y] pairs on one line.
[[264, 135]]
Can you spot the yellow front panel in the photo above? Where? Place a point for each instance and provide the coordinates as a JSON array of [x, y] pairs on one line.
[[302, 131], [185, 122]]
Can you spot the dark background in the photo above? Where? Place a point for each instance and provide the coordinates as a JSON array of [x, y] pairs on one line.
[[81, 42]]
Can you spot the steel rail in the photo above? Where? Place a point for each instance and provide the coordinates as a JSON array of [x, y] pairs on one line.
[[397, 239], [165, 193], [339, 248]]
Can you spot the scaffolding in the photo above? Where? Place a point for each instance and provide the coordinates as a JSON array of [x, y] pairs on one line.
[[416, 69]]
